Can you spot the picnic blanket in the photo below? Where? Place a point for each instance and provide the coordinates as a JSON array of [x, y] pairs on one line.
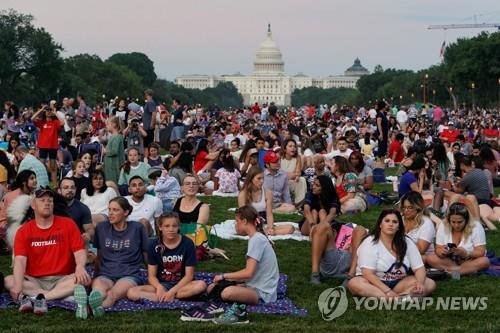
[[226, 230], [494, 269], [283, 305]]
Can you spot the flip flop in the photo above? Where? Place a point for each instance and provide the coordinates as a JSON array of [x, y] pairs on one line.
[[81, 299]]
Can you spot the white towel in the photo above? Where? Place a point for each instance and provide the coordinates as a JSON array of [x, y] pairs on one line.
[[219, 194], [226, 230]]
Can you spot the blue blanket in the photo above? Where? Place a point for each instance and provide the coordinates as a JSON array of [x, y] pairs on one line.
[[283, 305]]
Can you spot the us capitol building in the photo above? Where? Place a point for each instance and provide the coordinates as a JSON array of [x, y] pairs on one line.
[[268, 82]]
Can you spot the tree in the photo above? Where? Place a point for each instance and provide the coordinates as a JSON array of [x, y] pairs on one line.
[[30, 61], [475, 61], [89, 75], [378, 69], [138, 63], [315, 95]]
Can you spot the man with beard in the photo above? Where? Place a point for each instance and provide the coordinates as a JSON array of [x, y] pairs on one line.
[[146, 208], [79, 212]]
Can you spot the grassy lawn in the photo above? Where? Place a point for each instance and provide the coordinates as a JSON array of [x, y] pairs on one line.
[[294, 260]]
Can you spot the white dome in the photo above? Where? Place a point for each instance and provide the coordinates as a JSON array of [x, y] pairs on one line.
[[268, 58]]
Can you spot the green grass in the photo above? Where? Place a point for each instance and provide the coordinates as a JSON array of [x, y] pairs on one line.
[[294, 260]]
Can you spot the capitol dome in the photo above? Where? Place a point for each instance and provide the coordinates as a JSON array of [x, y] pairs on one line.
[[268, 59], [356, 69]]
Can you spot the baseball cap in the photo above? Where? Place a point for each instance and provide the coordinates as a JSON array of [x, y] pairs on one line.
[[153, 170], [271, 157], [44, 191]]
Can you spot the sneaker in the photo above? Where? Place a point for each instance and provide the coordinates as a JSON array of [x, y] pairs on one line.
[[196, 314], [25, 304], [213, 307], [40, 305], [315, 278], [81, 300], [95, 302], [236, 314]]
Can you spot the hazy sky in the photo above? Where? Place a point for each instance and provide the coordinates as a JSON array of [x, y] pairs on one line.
[[317, 37]]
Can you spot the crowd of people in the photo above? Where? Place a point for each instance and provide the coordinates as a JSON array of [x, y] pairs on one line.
[[114, 184]]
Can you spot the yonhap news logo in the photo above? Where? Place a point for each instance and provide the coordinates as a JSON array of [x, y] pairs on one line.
[[333, 303]]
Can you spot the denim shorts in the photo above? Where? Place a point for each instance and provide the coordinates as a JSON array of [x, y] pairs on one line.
[[168, 285], [135, 279], [391, 284]]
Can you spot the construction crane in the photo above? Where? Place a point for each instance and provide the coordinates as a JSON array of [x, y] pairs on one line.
[[465, 26]]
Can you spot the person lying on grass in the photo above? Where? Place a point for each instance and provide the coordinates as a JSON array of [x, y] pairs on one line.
[[121, 250], [460, 243], [384, 259], [258, 281], [171, 264]]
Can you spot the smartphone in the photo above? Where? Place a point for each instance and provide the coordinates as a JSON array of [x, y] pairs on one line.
[[452, 245]]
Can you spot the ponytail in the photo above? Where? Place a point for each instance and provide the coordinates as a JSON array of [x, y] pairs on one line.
[[250, 214]]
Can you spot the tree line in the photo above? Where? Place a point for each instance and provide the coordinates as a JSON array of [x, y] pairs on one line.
[[470, 74], [32, 70]]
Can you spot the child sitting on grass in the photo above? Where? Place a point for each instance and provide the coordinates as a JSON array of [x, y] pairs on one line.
[[171, 263], [258, 281]]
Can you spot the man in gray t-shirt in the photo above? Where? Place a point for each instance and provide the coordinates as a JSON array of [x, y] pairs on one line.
[[474, 182], [266, 276]]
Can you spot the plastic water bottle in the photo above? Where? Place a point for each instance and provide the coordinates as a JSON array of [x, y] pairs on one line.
[[395, 185], [455, 273]]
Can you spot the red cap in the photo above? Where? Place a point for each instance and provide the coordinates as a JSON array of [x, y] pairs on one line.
[[271, 157]]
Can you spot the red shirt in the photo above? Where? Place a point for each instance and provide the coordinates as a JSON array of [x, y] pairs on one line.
[[255, 109], [395, 147], [491, 132], [49, 133], [49, 251], [450, 135], [200, 161]]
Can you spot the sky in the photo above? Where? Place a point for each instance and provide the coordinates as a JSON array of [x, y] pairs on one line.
[[316, 37]]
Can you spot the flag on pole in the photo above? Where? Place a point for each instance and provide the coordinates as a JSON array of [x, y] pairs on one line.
[[441, 52]]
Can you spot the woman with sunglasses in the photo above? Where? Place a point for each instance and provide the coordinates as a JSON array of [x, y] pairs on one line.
[[385, 257], [189, 208], [460, 241]]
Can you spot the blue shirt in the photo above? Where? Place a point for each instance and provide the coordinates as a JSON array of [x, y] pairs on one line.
[[120, 252], [79, 213], [149, 108], [407, 179]]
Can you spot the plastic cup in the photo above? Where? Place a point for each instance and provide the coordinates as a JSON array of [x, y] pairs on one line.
[[455, 273]]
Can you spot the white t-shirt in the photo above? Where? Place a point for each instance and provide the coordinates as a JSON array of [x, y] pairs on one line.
[[477, 238], [401, 116], [228, 139], [337, 152], [425, 232], [99, 202], [378, 258], [149, 208]]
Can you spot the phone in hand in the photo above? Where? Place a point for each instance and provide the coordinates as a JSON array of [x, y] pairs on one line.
[[452, 245]]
